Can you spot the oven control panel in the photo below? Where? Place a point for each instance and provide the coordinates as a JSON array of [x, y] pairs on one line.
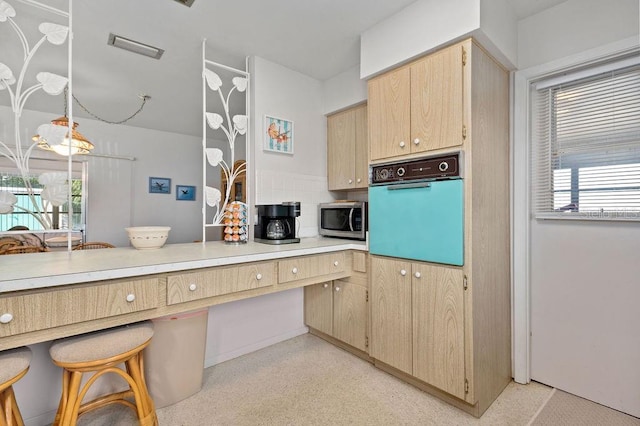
[[423, 169]]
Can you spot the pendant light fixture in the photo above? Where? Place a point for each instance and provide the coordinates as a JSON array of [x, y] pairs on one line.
[[79, 144]]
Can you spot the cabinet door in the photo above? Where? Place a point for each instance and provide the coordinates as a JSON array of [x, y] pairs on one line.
[[389, 114], [341, 135], [437, 100], [318, 307], [391, 339], [361, 148], [438, 327], [350, 313]]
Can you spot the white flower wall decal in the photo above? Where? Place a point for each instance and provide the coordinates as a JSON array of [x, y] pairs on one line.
[[56, 188], [232, 127]]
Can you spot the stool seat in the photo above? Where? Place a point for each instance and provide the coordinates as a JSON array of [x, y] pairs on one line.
[[101, 353], [14, 364], [100, 345]]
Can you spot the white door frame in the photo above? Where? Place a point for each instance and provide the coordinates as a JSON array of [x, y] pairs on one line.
[[521, 194]]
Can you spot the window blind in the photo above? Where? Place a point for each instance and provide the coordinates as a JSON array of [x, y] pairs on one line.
[[586, 146]]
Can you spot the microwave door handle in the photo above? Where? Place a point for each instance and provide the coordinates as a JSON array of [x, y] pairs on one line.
[[351, 219]]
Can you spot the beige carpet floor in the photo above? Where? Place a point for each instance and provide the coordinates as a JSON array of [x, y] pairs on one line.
[[306, 381], [564, 409]]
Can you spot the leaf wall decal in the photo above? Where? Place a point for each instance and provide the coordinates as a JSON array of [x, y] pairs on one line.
[[6, 11], [214, 120], [214, 156], [52, 178], [212, 196], [53, 84], [213, 80], [240, 123], [240, 83], [56, 34], [57, 195], [7, 201]]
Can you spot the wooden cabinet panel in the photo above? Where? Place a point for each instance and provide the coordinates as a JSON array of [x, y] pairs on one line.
[[341, 150], [218, 281], [350, 313], [438, 327], [437, 100], [361, 148], [391, 339], [300, 268], [348, 149], [318, 307], [389, 114], [55, 308]]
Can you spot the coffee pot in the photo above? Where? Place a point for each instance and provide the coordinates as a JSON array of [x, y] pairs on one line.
[[276, 229]]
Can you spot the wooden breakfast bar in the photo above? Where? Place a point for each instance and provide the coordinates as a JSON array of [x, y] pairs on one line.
[[45, 296]]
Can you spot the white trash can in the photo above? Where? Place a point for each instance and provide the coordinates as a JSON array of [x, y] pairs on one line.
[[174, 360]]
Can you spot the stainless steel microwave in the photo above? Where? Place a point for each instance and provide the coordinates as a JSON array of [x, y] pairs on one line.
[[343, 219]]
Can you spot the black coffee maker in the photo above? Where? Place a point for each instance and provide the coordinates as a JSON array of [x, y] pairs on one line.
[[277, 223]]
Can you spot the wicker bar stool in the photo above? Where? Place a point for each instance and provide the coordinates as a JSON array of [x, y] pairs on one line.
[[14, 364], [99, 353]]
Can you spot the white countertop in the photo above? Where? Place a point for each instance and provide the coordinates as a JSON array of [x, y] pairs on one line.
[[39, 270]]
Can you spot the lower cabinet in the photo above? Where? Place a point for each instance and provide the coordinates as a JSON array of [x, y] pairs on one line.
[[417, 321], [338, 309]]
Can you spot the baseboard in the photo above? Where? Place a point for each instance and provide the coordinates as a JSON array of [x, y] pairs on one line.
[[217, 359], [43, 419]]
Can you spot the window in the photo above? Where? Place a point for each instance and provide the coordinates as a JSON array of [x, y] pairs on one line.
[[10, 180], [586, 143]]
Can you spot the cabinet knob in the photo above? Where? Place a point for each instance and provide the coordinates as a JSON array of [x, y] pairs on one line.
[[337, 288], [193, 287], [131, 297], [416, 141], [403, 272], [6, 318], [350, 181], [336, 263], [417, 275], [401, 144], [258, 277], [294, 271], [358, 180], [325, 285]]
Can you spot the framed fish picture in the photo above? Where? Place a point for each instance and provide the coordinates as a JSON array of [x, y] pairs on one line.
[[278, 135]]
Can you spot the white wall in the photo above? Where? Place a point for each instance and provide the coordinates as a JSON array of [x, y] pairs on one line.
[[574, 26], [582, 275], [344, 90], [427, 24]]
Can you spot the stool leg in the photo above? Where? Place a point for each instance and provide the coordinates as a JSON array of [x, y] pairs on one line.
[[146, 410], [11, 413], [69, 406]]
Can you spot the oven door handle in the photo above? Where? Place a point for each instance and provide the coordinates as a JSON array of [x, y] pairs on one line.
[[408, 186], [351, 219]]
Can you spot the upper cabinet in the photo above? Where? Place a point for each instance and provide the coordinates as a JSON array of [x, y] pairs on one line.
[[418, 107], [347, 149]]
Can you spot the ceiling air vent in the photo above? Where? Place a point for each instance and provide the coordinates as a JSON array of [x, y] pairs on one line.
[[134, 46], [187, 3]]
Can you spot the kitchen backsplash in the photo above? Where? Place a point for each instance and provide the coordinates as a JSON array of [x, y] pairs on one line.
[[274, 187]]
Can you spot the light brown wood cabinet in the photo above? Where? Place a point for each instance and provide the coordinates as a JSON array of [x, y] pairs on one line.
[[451, 337], [418, 321], [339, 308], [312, 267], [347, 149], [201, 284], [418, 107], [40, 310]]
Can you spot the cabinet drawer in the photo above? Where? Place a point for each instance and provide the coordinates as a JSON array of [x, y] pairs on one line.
[[300, 268], [218, 281], [38, 311]]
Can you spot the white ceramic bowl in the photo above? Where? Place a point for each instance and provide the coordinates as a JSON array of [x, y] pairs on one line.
[[148, 237]]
